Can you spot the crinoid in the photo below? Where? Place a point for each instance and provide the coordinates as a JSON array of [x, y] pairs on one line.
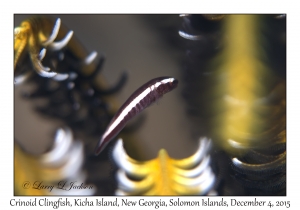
[[53, 172], [70, 84], [235, 89], [164, 175], [32, 38]]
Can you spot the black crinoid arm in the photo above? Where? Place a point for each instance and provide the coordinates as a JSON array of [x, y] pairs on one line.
[[63, 82], [76, 93]]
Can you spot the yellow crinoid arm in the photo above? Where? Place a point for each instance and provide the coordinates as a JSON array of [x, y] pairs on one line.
[[164, 175], [20, 42], [41, 174], [246, 117], [26, 173], [33, 38]]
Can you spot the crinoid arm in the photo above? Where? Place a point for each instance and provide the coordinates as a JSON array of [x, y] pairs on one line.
[[164, 175], [31, 41]]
